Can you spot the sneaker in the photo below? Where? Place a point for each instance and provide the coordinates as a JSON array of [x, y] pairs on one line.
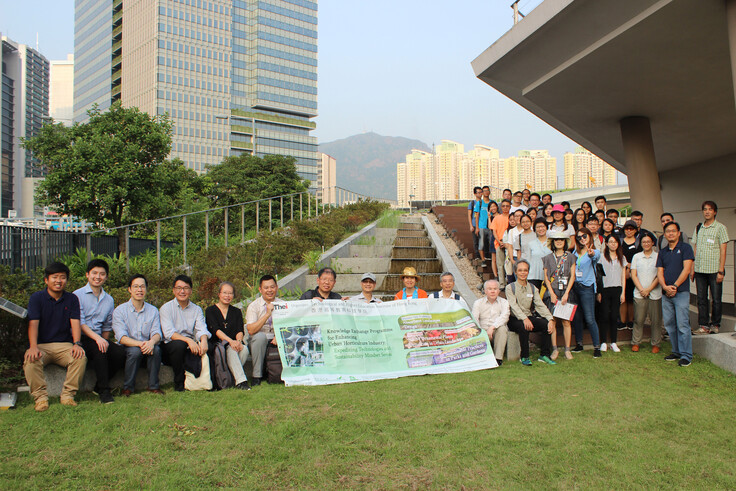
[[547, 360], [106, 397], [604, 347], [68, 401], [42, 406], [630, 326], [671, 358], [578, 348], [526, 362], [597, 353], [655, 350], [483, 264], [127, 392], [500, 362], [156, 391], [621, 326], [568, 355], [243, 386], [615, 348], [683, 362], [555, 354], [634, 348], [715, 329], [702, 330]]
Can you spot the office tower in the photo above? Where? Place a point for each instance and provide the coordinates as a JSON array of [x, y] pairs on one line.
[[586, 170], [327, 179], [61, 90], [24, 106], [235, 77]]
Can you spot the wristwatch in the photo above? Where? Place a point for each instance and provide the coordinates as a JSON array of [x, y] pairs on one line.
[[78, 343], [722, 273]]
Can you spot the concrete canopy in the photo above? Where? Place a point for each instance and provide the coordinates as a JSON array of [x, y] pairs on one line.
[[582, 65]]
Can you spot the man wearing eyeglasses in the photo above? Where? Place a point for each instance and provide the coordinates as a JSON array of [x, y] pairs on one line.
[[184, 328]]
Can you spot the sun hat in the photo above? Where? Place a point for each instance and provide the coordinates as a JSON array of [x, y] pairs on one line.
[[409, 272], [552, 236]]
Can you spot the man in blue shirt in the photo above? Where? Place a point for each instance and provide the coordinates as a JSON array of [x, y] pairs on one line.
[[483, 228], [184, 328], [137, 327], [54, 337], [674, 263], [96, 308], [478, 192]]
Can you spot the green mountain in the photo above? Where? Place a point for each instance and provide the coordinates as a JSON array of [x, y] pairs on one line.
[[366, 163]]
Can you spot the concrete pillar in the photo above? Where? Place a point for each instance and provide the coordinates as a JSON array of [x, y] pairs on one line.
[[731, 26], [641, 169]]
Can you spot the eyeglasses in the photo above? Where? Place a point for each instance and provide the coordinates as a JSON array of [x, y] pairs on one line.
[[183, 288], [138, 287]]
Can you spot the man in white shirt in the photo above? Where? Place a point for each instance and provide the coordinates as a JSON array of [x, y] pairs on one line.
[[492, 313], [259, 324], [517, 203], [367, 285]]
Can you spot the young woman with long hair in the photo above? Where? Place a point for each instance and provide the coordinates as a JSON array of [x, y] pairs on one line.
[[612, 296], [586, 259]]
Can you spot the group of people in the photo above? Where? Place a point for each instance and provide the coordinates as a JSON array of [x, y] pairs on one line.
[[74, 329], [615, 276], [543, 262]]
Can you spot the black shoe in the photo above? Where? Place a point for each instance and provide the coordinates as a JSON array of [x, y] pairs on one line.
[[577, 349], [671, 358], [179, 388], [683, 362], [597, 353], [106, 397], [243, 386], [630, 326], [96, 391], [255, 382], [500, 362]]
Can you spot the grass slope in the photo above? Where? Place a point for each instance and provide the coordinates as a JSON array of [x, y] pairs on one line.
[[624, 421]]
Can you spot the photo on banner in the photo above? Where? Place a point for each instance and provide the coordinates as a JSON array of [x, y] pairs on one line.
[[332, 341]]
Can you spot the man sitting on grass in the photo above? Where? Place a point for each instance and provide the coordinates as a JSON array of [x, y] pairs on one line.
[[259, 324], [184, 328], [55, 336], [137, 327], [529, 314]]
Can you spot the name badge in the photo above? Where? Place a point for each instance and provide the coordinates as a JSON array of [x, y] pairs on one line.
[[578, 274], [563, 281], [530, 295], [711, 241]]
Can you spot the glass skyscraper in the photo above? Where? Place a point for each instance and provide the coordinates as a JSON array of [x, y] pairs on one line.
[[235, 76]]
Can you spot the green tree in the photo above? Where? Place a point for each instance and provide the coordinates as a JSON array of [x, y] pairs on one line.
[[247, 178], [111, 170]]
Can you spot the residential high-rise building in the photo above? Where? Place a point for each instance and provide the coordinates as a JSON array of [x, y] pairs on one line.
[[327, 179], [61, 90], [531, 169], [442, 180], [411, 176], [24, 107], [485, 168], [586, 170], [236, 77]]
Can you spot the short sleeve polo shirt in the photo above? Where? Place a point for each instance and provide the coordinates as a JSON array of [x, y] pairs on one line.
[[673, 262], [53, 316]]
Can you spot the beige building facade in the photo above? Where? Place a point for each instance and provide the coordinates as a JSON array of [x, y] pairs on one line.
[[327, 179], [583, 169]]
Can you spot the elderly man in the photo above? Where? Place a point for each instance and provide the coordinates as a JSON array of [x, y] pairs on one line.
[[184, 328], [492, 313], [525, 302], [326, 278], [367, 285]]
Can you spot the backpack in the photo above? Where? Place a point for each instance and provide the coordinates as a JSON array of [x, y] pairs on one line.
[[221, 376], [273, 364]]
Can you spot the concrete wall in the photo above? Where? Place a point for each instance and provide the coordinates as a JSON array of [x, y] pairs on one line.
[[685, 189]]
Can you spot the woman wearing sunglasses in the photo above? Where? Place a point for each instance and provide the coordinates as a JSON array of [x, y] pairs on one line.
[[585, 288]]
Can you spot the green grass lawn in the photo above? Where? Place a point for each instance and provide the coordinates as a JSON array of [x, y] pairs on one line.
[[628, 420]]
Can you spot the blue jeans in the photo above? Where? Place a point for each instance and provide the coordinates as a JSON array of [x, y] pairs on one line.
[[676, 317], [133, 359], [704, 281], [586, 302]]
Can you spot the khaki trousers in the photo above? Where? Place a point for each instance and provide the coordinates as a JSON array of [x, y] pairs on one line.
[[500, 337], [642, 307], [57, 354]]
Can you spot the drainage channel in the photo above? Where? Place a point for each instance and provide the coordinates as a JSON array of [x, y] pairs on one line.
[[412, 248]]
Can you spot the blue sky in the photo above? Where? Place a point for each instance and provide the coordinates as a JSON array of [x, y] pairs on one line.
[[395, 67]]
